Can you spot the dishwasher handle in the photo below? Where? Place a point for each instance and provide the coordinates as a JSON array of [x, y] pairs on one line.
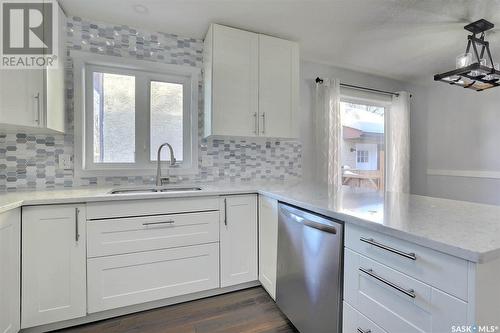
[[320, 226], [312, 224]]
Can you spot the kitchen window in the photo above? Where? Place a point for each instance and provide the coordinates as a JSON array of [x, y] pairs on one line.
[[130, 109], [363, 143]]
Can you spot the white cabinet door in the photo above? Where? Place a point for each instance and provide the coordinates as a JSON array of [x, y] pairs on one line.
[[121, 280], [53, 264], [36, 97], [234, 81], [278, 87], [268, 243], [10, 271], [21, 94], [355, 322], [238, 239], [55, 93]]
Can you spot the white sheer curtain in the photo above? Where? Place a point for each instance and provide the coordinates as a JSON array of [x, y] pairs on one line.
[[398, 144], [328, 132]]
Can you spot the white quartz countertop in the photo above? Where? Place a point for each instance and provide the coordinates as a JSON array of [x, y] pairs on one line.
[[467, 230]]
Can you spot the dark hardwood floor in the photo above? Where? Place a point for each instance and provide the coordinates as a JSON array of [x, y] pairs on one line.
[[250, 310]]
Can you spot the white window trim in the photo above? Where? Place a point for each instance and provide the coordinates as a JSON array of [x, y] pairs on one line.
[[155, 71]]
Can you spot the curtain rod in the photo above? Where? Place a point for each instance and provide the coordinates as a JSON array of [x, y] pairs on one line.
[[319, 80]]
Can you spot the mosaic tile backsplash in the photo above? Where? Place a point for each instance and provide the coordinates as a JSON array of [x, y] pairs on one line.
[[30, 161]]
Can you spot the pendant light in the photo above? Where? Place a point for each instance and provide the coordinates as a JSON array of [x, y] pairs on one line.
[[475, 68]]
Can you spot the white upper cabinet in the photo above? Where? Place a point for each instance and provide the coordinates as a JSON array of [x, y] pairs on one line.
[[34, 98], [278, 87], [21, 91], [231, 81], [251, 84], [238, 239], [53, 264]]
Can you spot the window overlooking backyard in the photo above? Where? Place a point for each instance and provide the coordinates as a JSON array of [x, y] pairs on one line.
[[130, 110], [166, 108], [114, 118], [363, 145]]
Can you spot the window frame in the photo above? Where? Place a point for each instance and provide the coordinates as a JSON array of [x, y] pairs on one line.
[[362, 156], [144, 71]]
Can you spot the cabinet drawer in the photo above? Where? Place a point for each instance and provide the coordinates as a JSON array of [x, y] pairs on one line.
[[355, 322], [128, 279], [135, 234], [112, 209], [445, 272], [384, 296]]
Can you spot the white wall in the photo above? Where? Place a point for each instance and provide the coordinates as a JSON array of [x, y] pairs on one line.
[[456, 129], [309, 72]]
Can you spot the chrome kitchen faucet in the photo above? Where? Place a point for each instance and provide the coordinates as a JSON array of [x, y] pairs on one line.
[[159, 180]]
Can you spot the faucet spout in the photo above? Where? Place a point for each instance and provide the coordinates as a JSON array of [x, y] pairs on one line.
[[159, 181]]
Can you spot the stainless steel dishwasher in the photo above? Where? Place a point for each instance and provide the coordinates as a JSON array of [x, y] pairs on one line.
[[309, 276]]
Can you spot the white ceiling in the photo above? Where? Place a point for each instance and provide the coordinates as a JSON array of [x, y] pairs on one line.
[[401, 39]]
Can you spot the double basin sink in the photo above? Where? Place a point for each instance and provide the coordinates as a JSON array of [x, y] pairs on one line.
[[154, 189]]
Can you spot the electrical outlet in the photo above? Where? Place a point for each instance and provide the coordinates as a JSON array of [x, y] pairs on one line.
[[65, 162], [207, 161]]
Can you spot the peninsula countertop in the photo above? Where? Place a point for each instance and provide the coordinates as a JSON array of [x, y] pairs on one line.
[[463, 229]]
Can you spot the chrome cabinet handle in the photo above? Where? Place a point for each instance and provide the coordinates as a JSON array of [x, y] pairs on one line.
[[371, 241], [255, 123], [263, 122], [156, 223], [37, 114], [225, 211], [407, 292], [360, 330], [77, 232]]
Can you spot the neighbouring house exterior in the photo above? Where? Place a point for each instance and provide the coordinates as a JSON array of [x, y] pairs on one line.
[[363, 149]]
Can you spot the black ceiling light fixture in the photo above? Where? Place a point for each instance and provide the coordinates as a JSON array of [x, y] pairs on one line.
[[474, 70]]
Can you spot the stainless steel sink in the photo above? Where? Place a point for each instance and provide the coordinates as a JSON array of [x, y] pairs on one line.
[[142, 190], [179, 189]]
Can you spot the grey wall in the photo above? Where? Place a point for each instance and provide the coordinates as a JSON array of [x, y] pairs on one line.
[[451, 129], [456, 129]]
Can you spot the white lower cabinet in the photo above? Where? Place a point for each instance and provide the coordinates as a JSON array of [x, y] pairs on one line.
[[355, 322], [10, 241], [443, 271], [146, 233], [238, 239], [268, 243], [397, 302], [53, 264], [402, 287], [128, 279]]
